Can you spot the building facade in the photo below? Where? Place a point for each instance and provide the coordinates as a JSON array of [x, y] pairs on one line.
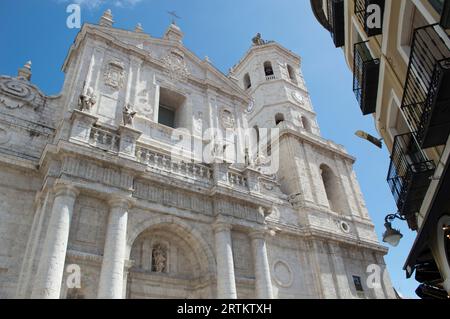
[[399, 52], [100, 199]]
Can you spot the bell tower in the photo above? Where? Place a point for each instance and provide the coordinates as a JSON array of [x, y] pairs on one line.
[[313, 172]]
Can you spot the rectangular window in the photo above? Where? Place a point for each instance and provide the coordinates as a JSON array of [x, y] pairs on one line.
[[166, 116], [358, 284], [170, 108]]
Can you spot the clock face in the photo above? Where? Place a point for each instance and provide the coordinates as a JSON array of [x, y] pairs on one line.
[[298, 97]]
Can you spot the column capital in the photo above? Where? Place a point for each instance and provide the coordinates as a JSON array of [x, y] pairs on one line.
[[62, 189], [119, 202], [262, 233], [220, 226]]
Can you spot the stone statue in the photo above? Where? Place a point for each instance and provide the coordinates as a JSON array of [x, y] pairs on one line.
[[87, 100], [159, 259], [257, 40], [128, 115]]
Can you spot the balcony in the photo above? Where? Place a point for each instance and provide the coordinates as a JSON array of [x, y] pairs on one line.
[[365, 78], [426, 99], [409, 176], [336, 20]]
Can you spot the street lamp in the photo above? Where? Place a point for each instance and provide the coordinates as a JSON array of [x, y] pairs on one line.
[[392, 236]]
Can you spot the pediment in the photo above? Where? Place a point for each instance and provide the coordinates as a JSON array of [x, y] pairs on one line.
[[174, 57]]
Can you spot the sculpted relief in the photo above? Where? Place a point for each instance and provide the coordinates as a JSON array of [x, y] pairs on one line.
[[114, 75], [17, 93]]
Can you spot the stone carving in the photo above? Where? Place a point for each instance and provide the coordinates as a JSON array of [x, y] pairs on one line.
[[159, 258], [114, 75], [227, 119], [19, 92], [298, 97], [283, 274], [87, 100], [128, 115], [175, 66], [4, 136], [251, 106], [198, 122], [257, 40]]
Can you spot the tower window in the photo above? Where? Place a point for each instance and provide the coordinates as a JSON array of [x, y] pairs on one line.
[[306, 124], [268, 70], [247, 81], [332, 188], [291, 73], [279, 118]]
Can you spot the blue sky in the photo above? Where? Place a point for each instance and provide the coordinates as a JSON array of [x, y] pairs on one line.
[[36, 30]]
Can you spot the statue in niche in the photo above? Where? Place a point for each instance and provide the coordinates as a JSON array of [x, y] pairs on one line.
[[159, 259], [128, 115], [87, 100]]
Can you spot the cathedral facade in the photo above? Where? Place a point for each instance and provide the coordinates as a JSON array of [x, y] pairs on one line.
[[154, 175]]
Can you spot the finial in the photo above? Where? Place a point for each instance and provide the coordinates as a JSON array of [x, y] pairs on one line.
[[25, 71], [207, 59], [139, 28], [106, 19]]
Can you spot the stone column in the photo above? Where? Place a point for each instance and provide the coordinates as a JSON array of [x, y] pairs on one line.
[[226, 284], [261, 265], [51, 265], [112, 272]]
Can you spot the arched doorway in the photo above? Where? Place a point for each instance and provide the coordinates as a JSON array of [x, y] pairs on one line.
[[169, 260]]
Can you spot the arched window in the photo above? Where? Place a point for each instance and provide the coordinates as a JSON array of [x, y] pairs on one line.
[[306, 124], [291, 73], [247, 81], [268, 70], [332, 188], [279, 118]]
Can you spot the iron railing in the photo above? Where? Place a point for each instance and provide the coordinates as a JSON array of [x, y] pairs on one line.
[[336, 19], [365, 78], [426, 98], [409, 175], [366, 16]]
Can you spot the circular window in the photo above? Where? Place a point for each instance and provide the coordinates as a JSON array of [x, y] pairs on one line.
[[345, 227], [282, 274]]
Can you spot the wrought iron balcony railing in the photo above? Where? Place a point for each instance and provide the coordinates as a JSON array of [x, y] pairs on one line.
[[409, 176], [426, 99], [366, 17], [336, 19], [366, 70]]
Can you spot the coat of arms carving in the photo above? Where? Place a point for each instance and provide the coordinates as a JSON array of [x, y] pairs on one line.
[[114, 75], [175, 66]]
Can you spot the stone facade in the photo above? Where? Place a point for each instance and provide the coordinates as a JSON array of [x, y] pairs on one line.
[[81, 188]]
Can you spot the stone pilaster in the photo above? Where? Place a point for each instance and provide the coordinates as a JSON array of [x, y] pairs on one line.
[[128, 138], [226, 283], [51, 265], [81, 126], [261, 265], [112, 272]]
